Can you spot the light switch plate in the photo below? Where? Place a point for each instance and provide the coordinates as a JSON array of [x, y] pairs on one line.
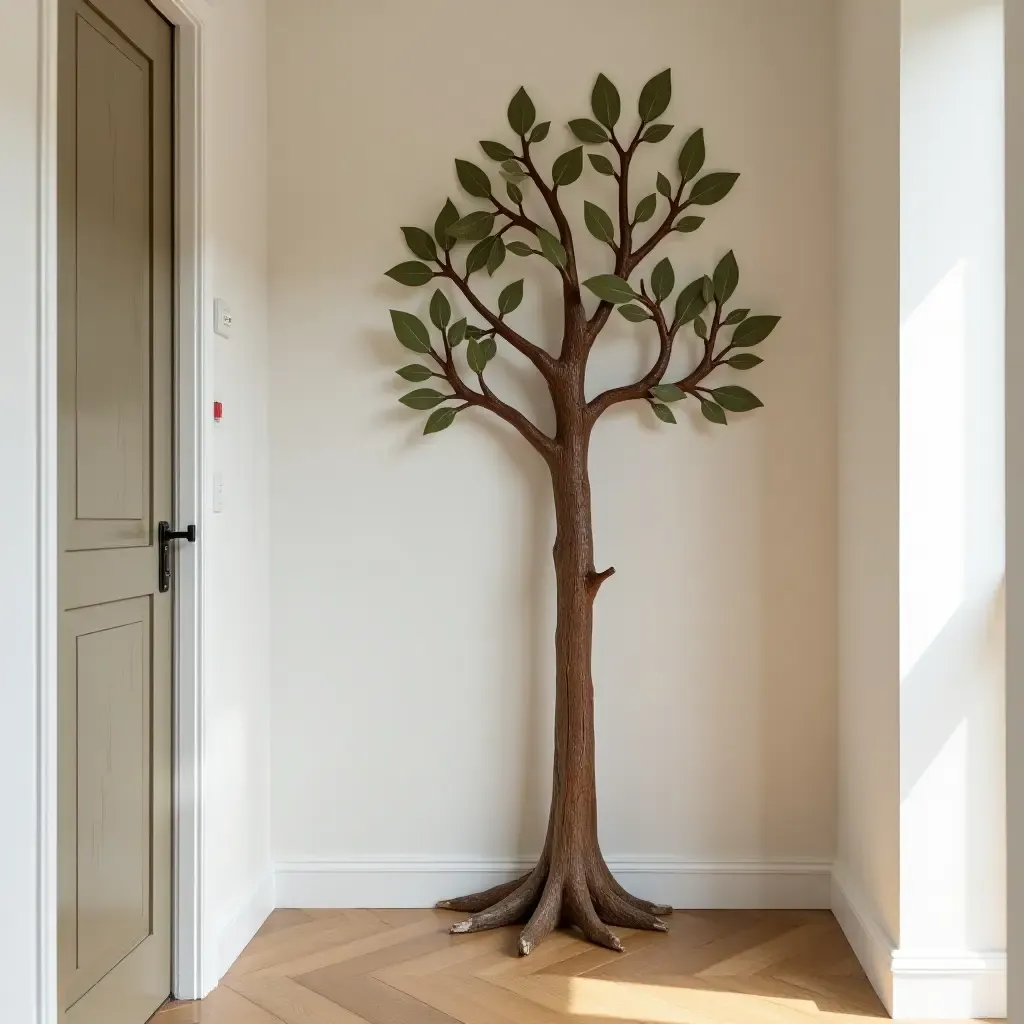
[[222, 319]]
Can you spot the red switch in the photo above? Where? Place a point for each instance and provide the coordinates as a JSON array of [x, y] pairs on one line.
[[218, 411]]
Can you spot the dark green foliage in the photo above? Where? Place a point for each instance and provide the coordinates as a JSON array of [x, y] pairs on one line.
[[475, 356], [737, 316], [540, 131], [473, 226], [518, 248], [440, 310], [663, 412], [668, 393], [727, 277], [709, 288], [551, 248], [515, 193], [690, 302], [420, 243], [688, 224], [413, 273], [479, 255], [634, 314], [744, 361], [473, 179], [605, 103], [645, 209], [754, 330], [457, 332], [655, 96], [513, 171], [736, 399], [510, 298], [599, 224], [588, 131], [568, 167], [414, 373], [664, 185], [496, 256], [439, 419], [712, 188], [610, 288], [691, 156], [445, 219], [663, 280], [410, 331], [497, 151], [713, 412], [422, 398], [700, 328], [521, 112], [601, 164], [657, 133]]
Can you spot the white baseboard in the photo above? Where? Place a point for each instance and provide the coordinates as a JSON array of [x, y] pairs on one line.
[[238, 933], [420, 882], [918, 984]]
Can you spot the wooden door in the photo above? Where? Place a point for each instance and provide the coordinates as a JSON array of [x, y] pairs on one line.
[[115, 280]]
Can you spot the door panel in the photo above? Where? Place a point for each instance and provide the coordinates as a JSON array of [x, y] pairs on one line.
[[115, 395]]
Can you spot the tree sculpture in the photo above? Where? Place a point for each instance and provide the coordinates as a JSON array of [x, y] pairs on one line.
[[571, 883]]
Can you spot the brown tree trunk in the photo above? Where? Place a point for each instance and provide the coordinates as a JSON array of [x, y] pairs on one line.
[[571, 883]]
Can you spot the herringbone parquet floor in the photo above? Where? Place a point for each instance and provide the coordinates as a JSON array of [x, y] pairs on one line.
[[402, 967]]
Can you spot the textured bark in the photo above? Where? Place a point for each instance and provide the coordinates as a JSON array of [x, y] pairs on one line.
[[571, 883]]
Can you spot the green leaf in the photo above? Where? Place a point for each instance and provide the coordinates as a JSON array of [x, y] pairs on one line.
[[474, 357], [457, 332], [412, 273], [496, 256], [475, 333], [497, 151], [410, 331], [663, 280], [599, 224], [709, 288], [737, 316], [422, 398], [520, 249], [690, 302], [420, 243], [551, 248], [634, 314], [473, 179], [588, 131], [713, 188], [568, 167], [727, 277], [610, 288], [664, 185], [479, 255], [655, 96], [736, 399], [714, 413], [645, 209], [744, 361], [512, 170], [605, 103], [700, 328], [668, 393], [657, 133], [510, 297], [754, 330], [473, 226], [688, 224], [515, 193], [440, 310], [692, 155], [521, 112], [663, 412], [414, 373], [489, 347], [601, 164], [540, 131], [445, 219], [439, 419]]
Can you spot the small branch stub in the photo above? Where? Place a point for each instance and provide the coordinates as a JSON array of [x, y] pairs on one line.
[[595, 579]]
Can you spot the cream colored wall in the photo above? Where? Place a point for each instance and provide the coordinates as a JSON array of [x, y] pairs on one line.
[[868, 455], [411, 609]]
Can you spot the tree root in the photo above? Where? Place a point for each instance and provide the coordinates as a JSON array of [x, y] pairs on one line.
[[589, 899]]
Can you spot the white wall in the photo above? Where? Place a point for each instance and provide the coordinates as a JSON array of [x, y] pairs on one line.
[[411, 596], [952, 528], [869, 310], [238, 882], [1014, 55], [18, 438]]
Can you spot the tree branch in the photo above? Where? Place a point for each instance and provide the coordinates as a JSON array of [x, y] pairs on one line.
[[490, 401], [550, 195], [544, 362]]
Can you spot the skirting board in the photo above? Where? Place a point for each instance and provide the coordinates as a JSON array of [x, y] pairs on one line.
[[416, 882], [237, 934], [924, 984]]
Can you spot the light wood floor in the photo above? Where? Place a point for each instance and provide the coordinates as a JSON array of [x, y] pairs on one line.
[[402, 967]]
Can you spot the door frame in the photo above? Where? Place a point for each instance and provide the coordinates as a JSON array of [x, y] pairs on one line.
[[191, 976]]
